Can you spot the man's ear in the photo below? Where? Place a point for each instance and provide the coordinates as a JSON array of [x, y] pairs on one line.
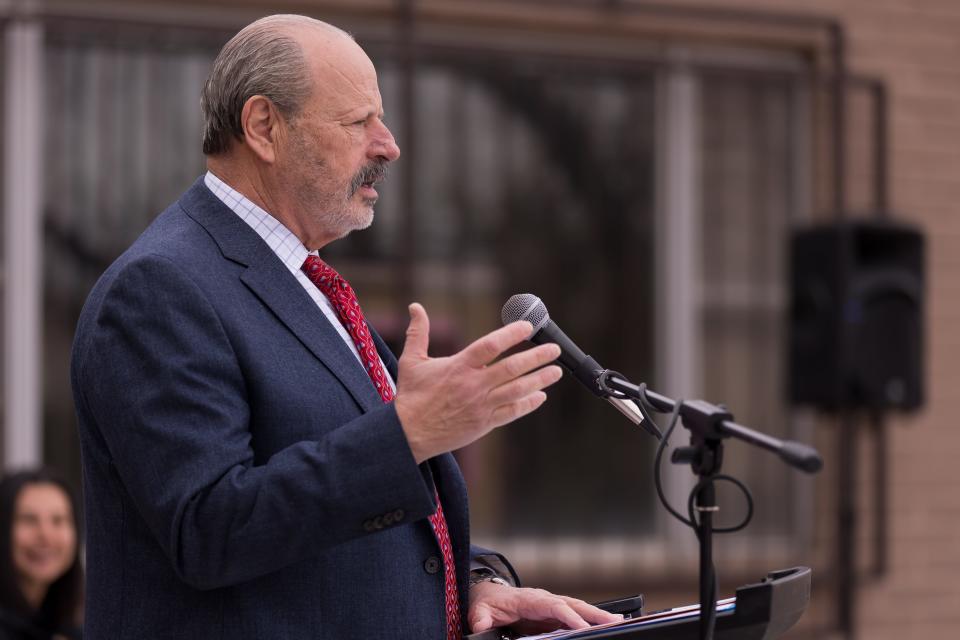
[[262, 127]]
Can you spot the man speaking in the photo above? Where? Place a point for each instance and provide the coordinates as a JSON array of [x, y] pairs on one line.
[[257, 464]]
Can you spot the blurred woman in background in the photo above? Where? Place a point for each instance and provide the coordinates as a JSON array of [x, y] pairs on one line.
[[41, 578]]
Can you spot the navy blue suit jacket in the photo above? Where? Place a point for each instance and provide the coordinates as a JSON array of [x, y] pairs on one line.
[[242, 477]]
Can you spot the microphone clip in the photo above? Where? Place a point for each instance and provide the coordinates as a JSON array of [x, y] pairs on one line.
[[629, 406], [605, 389]]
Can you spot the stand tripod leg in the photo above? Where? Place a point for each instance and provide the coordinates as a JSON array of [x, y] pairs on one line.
[[881, 484], [846, 523], [706, 506]]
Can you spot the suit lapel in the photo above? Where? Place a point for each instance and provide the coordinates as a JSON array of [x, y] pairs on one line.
[[268, 278], [280, 291], [389, 360]]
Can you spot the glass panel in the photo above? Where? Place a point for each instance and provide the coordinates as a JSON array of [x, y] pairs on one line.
[[538, 182], [748, 164], [122, 142]]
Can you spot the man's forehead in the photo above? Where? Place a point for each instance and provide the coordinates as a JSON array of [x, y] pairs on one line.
[[343, 73], [331, 50]]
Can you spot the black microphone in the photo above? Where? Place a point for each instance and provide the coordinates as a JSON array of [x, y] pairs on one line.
[[526, 306]]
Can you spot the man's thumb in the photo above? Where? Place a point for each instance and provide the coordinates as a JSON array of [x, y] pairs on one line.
[[480, 620], [418, 332]]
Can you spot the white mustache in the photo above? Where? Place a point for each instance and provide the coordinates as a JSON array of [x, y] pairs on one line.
[[371, 174]]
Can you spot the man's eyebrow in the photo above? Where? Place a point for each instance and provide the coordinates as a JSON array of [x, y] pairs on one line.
[[355, 112]]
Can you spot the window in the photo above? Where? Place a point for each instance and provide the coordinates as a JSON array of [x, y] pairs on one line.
[[121, 142], [646, 203]]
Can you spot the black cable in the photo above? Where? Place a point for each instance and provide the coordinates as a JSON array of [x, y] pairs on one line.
[[743, 488], [646, 409], [712, 612], [657, 463]]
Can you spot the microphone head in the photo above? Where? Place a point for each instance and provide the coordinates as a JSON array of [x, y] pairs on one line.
[[525, 306]]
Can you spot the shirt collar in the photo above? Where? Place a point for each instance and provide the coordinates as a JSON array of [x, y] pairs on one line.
[[281, 240]]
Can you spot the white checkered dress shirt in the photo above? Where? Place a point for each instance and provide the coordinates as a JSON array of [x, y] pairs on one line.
[[288, 248]]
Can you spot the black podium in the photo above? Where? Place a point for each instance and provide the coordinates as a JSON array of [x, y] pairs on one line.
[[760, 611]]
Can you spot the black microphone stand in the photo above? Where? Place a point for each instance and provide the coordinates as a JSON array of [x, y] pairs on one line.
[[708, 425]]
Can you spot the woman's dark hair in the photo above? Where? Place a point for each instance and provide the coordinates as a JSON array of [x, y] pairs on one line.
[[61, 607]]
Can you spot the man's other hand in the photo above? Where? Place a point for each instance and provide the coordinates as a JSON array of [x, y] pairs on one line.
[[530, 611], [446, 403]]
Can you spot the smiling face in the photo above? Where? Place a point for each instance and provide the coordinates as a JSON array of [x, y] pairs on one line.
[[44, 537], [337, 147]]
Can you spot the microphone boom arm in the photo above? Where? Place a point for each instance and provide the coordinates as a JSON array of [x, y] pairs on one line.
[[713, 422]]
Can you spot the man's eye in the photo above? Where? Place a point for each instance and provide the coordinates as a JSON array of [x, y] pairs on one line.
[[360, 122]]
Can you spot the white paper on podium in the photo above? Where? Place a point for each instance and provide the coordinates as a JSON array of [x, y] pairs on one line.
[[679, 613]]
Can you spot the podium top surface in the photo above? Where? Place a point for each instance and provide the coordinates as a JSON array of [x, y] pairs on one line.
[[760, 611]]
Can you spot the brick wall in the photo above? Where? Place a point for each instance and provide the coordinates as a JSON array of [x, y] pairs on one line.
[[914, 45]]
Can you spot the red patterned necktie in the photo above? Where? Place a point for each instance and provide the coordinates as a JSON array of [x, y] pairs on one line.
[[344, 301]]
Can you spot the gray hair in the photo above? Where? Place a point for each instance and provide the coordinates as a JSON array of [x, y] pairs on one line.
[[262, 59]]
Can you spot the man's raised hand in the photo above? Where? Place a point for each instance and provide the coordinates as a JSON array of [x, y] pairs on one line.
[[446, 403]]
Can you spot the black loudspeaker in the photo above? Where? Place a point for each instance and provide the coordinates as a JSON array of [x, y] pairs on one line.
[[857, 316]]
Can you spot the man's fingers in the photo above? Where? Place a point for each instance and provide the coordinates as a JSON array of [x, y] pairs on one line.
[[551, 607], [418, 333], [590, 613], [521, 363], [522, 387], [531, 610], [482, 351], [564, 613], [509, 412]]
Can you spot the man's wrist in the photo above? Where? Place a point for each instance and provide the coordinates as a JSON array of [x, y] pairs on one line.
[[478, 576]]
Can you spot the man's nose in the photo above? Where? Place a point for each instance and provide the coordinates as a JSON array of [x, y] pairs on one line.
[[384, 146]]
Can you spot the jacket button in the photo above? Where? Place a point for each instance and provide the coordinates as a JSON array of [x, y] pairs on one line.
[[368, 526], [388, 518], [378, 522], [432, 565], [398, 515]]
